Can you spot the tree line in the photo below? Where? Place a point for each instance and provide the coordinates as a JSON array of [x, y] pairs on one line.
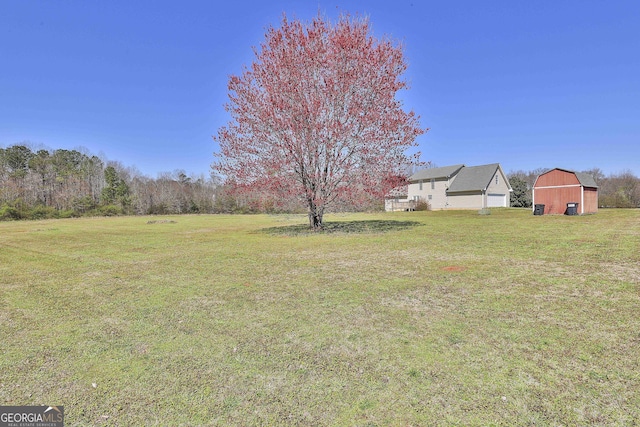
[[44, 183], [616, 190]]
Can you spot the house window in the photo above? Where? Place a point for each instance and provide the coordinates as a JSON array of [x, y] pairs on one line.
[[496, 179], [420, 185], [430, 197], [433, 183]]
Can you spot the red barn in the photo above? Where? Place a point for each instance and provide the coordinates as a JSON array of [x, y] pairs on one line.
[[558, 187]]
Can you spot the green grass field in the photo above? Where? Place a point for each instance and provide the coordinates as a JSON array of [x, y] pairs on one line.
[[444, 318]]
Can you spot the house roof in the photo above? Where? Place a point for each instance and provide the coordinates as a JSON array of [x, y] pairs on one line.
[[433, 173], [475, 178]]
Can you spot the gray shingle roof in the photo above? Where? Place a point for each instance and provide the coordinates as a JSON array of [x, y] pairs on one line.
[[586, 180], [434, 173], [474, 178]]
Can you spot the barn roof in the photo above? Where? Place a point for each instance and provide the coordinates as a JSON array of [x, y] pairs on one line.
[[474, 178], [433, 173], [585, 179]]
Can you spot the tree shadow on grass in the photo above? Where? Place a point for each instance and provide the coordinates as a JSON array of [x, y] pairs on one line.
[[344, 227]]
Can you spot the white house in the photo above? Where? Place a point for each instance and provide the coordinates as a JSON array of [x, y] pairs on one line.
[[461, 187]]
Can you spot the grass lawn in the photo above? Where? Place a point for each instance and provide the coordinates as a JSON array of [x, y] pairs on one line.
[[444, 318]]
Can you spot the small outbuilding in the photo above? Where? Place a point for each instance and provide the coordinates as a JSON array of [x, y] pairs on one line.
[[562, 191]]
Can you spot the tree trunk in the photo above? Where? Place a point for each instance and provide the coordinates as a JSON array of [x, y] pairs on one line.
[[315, 216]]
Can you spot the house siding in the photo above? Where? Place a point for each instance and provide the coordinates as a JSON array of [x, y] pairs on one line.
[[499, 188], [438, 193], [466, 200]]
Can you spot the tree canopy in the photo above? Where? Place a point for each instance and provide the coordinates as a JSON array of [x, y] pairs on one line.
[[315, 116], [521, 196]]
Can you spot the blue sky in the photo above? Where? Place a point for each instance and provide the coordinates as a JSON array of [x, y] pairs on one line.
[[527, 84]]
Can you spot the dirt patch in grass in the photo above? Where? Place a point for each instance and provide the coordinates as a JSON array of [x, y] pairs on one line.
[[344, 227], [162, 221], [454, 268]]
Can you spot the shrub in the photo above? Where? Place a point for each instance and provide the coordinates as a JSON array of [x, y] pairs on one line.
[[109, 210], [8, 213], [42, 212], [84, 204], [422, 205], [68, 213]]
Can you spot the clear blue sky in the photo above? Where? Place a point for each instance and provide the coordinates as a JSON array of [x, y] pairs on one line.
[[525, 83]]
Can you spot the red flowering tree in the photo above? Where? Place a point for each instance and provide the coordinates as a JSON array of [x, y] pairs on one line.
[[315, 116]]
